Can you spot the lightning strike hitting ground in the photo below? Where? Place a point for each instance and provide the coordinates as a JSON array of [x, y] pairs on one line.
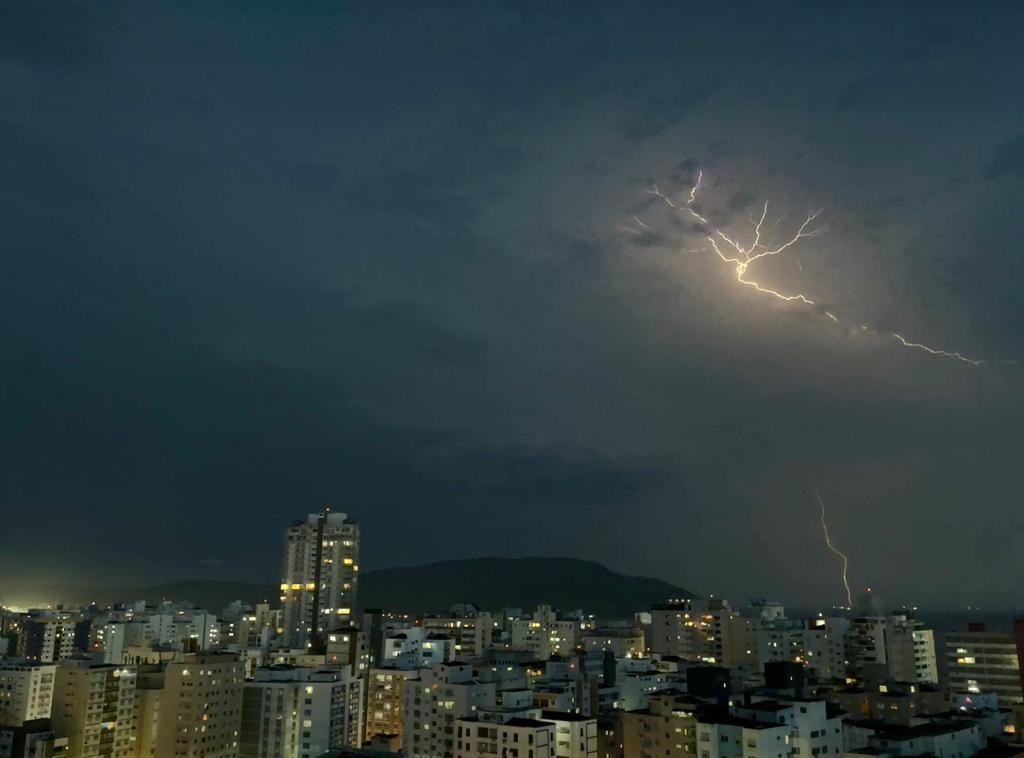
[[834, 549], [740, 256]]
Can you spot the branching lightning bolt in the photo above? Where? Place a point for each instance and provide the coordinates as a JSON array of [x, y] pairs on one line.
[[834, 549], [740, 256]]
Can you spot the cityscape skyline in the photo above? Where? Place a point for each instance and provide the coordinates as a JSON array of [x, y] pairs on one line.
[[298, 676], [262, 260]]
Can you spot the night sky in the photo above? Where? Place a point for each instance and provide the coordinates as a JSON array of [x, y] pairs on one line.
[[259, 261]]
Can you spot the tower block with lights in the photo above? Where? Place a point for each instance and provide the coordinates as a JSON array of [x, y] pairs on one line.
[[319, 577]]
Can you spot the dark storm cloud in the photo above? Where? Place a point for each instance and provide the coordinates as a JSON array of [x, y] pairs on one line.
[[1008, 158], [260, 260]]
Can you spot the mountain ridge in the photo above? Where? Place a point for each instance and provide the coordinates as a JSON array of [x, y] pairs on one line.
[[489, 583]]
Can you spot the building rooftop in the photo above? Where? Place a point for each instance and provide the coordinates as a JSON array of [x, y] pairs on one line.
[[898, 733], [717, 716], [565, 716], [521, 721]]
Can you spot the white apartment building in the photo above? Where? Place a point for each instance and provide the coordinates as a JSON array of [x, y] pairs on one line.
[[982, 661], [26, 691], [416, 647], [301, 712], [575, 735], [543, 634], [635, 688], [319, 576], [944, 739], [727, 736], [52, 636], [814, 730], [473, 635], [926, 668], [675, 627], [823, 647], [93, 706], [434, 702], [189, 707], [518, 737]]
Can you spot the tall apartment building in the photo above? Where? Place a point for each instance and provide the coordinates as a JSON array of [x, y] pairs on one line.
[[724, 735], [981, 661], [823, 647], [693, 628], [301, 712], [319, 576], [926, 666], [189, 707], [898, 645], [435, 700], [26, 691], [385, 701], [93, 707], [48, 637]]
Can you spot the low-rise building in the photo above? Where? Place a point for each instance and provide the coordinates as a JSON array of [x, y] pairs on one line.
[[575, 734], [942, 739], [667, 727], [722, 735], [516, 736], [621, 641]]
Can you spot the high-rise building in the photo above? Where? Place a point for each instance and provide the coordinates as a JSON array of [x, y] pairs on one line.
[[26, 691], [982, 661], [48, 637], [93, 707], [693, 628], [895, 646], [385, 702], [189, 707], [926, 667], [300, 712], [435, 701], [318, 578]]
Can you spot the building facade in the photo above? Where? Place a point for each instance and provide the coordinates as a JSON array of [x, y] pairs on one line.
[[319, 577], [93, 706], [301, 712], [982, 661], [26, 691]]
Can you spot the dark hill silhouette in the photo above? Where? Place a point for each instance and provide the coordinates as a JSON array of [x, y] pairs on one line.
[[488, 583]]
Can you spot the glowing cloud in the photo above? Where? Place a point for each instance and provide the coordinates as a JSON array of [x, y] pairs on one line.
[[740, 256]]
